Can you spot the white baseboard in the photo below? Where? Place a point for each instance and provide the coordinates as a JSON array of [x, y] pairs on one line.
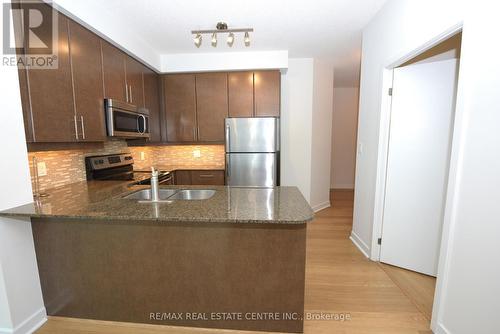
[[29, 325], [321, 206], [342, 186], [440, 329], [356, 240]]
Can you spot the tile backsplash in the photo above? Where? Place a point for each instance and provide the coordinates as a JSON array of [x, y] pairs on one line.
[[68, 165]]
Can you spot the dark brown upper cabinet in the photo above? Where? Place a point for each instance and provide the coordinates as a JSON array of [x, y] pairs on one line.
[[211, 106], [179, 91], [152, 103], [267, 93], [113, 67], [134, 71], [240, 91], [51, 107], [86, 67]]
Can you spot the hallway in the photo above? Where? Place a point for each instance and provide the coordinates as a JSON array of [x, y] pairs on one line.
[[340, 279]]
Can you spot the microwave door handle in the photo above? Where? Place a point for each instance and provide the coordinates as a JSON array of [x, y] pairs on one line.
[[144, 124]]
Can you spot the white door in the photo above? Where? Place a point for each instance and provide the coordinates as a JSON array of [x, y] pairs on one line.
[[423, 103]]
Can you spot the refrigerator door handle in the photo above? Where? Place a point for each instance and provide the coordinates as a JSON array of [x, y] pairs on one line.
[[228, 168], [228, 138]]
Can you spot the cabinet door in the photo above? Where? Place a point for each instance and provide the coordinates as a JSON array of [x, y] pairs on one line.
[[180, 107], [113, 65], [51, 93], [211, 106], [85, 52], [240, 91], [135, 86], [182, 177], [267, 93], [207, 177], [152, 103]]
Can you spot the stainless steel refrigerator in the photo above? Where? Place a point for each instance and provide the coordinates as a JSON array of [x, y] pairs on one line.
[[252, 152]]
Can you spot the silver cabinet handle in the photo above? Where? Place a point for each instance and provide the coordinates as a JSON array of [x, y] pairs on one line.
[[130, 94], [76, 127], [206, 175], [83, 126], [126, 92]]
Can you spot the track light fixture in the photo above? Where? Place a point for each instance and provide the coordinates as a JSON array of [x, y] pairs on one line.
[[221, 27], [197, 40]]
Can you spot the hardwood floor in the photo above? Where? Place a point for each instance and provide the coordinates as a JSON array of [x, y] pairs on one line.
[[340, 282]]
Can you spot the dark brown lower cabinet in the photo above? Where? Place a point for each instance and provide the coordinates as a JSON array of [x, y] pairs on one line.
[[199, 177], [207, 177], [182, 177]]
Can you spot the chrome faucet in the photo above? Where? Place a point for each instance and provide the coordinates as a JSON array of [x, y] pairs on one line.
[[154, 185]]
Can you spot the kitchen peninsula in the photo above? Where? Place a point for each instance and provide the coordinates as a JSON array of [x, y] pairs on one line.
[[239, 252]]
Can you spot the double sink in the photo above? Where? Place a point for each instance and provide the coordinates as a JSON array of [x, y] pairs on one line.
[[144, 195]]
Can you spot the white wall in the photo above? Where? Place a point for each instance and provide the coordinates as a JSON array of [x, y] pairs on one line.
[[110, 29], [467, 297], [306, 111], [344, 132], [321, 134], [224, 61], [296, 124], [400, 27], [21, 304]]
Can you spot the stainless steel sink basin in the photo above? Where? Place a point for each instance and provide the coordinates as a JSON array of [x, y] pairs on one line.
[[145, 194], [192, 194]]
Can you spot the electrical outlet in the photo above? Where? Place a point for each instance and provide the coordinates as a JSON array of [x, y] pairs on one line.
[[42, 169], [143, 156], [196, 153]]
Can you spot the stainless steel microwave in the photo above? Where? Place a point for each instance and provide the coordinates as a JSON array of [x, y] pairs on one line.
[[125, 120]]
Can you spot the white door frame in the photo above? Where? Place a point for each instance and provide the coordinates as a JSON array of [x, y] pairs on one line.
[[453, 175]]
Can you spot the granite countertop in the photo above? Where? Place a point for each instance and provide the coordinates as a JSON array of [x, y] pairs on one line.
[[102, 200]]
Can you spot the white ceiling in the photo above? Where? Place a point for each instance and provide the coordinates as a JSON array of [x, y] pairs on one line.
[[315, 28]]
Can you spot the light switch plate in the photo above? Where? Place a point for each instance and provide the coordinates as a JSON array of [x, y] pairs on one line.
[[196, 153], [143, 156], [42, 168]]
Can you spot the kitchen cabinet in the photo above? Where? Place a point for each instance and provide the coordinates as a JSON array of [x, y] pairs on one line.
[[211, 106], [51, 107], [182, 177], [122, 76], [86, 68], [152, 103], [207, 177], [134, 72], [267, 93], [199, 177], [113, 68], [180, 107], [240, 94]]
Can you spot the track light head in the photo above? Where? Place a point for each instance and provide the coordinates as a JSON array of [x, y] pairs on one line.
[[230, 39], [197, 40], [247, 39], [214, 39]]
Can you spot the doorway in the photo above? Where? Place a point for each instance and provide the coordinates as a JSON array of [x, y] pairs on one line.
[[420, 132]]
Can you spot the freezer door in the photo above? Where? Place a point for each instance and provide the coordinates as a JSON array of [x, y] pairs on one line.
[[258, 134], [252, 169]]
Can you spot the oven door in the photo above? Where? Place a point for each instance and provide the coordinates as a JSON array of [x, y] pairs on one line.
[[122, 123]]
